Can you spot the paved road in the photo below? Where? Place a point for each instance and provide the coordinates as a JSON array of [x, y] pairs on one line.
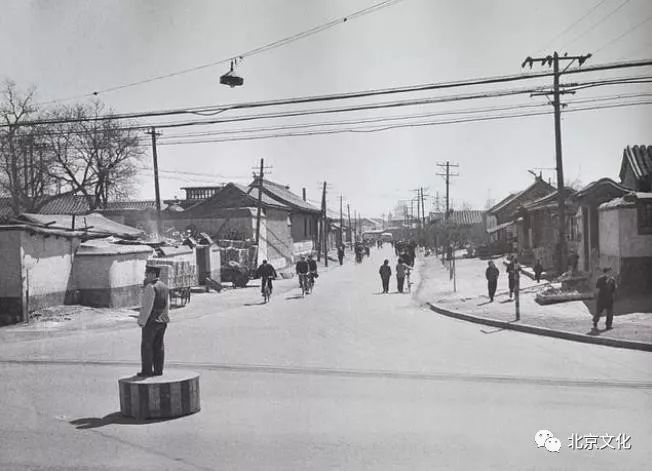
[[346, 378]]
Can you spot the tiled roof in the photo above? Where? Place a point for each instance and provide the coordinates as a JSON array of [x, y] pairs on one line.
[[66, 204], [513, 197], [144, 204], [639, 158], [548, 201], [282, 193], [466, 217], [5, 207], [266, 200], [604, 184]]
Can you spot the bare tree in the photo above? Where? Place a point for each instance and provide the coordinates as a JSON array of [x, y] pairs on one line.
[[93, 158], [24, 176]]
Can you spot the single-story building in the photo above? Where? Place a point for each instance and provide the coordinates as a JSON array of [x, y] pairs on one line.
[[625, 227], [37, 269]]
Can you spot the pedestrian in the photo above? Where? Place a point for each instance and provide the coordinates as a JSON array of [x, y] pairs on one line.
[[511, 275], [401, 270], [538, 269], [385, 274], [606, 291], [340, 254], [492, 274], [153, 320]]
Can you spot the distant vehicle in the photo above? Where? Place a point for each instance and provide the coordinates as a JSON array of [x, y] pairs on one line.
[[370, 236], [386, 237]]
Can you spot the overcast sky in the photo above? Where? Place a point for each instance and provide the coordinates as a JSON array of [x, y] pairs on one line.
[[68, 48]]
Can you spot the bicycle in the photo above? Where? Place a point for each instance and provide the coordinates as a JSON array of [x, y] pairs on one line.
[[311, 281], [303, 282], [267, 293]]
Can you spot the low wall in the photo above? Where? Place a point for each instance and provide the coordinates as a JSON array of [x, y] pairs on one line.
[[110, 275]]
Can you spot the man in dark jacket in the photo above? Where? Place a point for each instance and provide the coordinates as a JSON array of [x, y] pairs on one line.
[[153, 320], [492, 274], [511, 275], [385, 274], [302, 269], [266, 272], [340, 254], [606, 286]]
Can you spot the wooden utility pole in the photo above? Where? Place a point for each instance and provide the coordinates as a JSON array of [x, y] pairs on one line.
[[341, 222], [259, 183], [324, 225], [447, 177], [423, 209], [348, 211], [157, 192], [556, 103]]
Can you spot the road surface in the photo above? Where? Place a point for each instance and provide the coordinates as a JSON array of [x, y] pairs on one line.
[[346, 378]]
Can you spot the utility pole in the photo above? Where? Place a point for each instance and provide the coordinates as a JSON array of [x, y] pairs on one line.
[[447, 177], [341, 222], [556, 103], [348, 212], [157, 192], [260, 200], [324, 225], [423, 211]]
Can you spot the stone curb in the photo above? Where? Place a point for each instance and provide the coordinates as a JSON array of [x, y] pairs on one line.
[[530, 329]]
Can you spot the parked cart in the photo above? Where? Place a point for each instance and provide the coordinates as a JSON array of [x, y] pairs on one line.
[[179, 276]]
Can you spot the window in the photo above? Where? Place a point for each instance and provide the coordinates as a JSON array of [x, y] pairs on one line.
[[644, 209], [305, 227]]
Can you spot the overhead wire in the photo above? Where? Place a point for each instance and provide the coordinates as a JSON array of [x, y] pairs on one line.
[[260, 49], [397, 118], [626, 33], [588, 12], [595, 25], [339, 96], [433, 123]]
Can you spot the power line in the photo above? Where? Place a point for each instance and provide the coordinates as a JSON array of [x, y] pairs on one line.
[[595, 25], [626, 33], [394, 118], [590, 10], [249, 53], [435, 123], [341, 96]]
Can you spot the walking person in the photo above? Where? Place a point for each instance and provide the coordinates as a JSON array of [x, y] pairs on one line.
[[492, 273], [538, 269], [340, 254], [606, 287], [401, 270], [511, 275], [153, 320], [385, 274]]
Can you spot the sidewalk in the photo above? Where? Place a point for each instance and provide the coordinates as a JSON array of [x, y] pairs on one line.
[[570, 320]]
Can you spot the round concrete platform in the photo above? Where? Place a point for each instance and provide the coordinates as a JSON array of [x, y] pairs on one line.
[[173, 394]]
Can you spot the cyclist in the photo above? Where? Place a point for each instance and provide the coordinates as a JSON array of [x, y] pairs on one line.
[[266, 272], [302, 269], [312, 268]]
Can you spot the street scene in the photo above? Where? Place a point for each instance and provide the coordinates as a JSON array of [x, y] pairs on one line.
[[325, 235]]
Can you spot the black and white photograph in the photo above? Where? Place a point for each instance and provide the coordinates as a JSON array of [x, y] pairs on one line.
[[325, 234]]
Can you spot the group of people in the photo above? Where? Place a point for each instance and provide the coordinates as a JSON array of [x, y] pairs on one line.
[[605, 287], [305, 269], [402, 272]]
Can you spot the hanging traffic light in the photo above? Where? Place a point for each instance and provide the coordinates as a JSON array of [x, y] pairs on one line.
[[231, 78]]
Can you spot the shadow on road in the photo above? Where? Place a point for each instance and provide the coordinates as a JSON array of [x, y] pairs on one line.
[[117, 418]]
